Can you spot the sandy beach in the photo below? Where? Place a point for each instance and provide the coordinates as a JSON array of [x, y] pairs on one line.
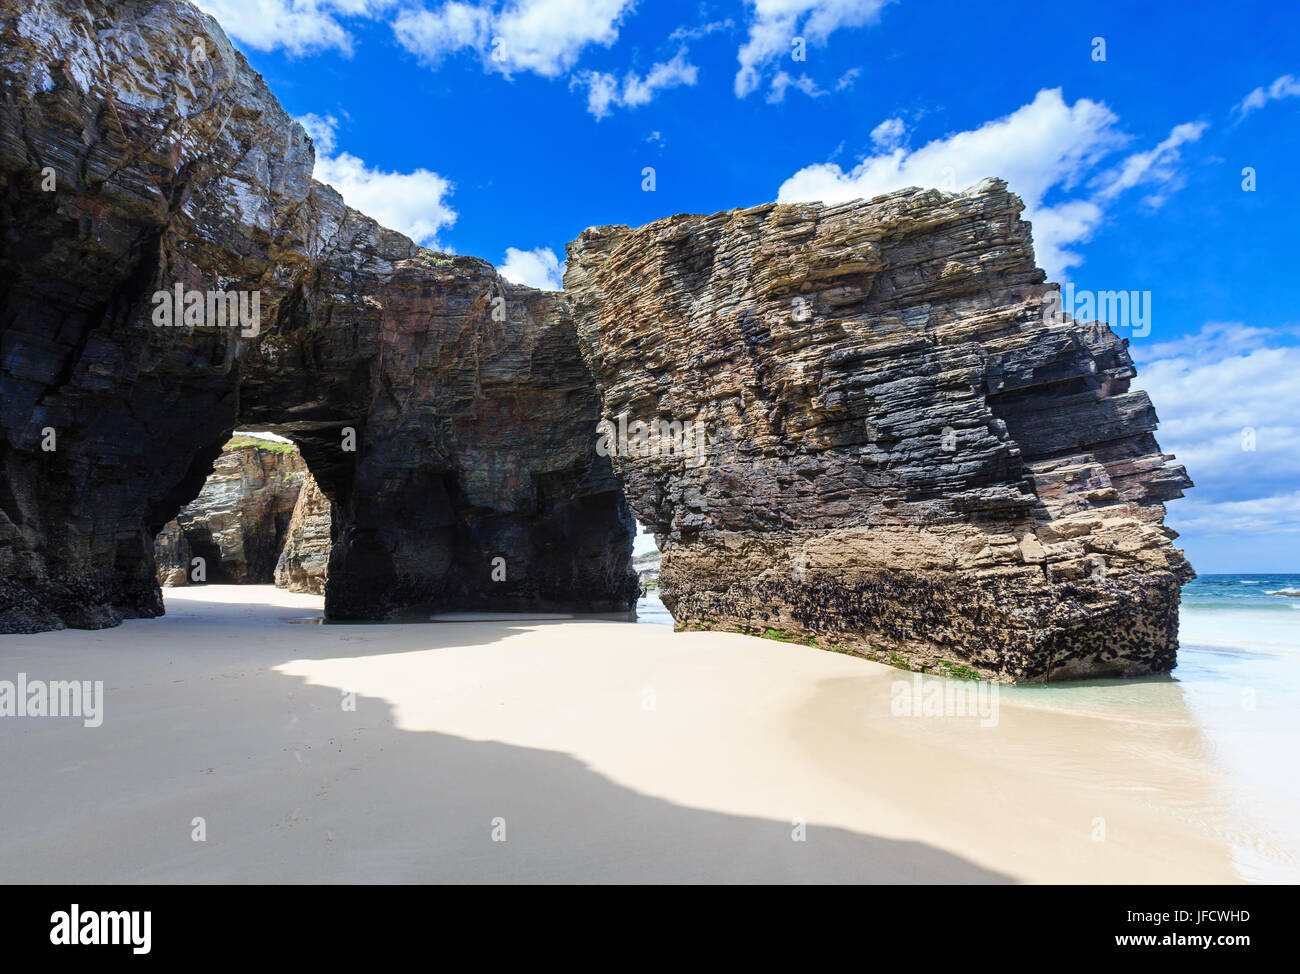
[[543, 749]]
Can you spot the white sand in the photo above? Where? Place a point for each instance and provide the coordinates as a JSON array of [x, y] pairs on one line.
[[611, 752]]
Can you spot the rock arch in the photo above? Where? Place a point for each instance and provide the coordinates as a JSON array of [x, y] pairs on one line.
[[909, 458], [469, 428]]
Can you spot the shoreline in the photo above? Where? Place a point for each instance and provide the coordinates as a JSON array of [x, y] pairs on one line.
[[608, 751]]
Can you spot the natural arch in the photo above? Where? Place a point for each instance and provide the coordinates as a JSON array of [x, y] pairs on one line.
[[445, 413], [910, 456]]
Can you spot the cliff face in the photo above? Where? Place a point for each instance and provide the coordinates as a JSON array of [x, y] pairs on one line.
[[906, 457], [888, 448], [304, 559], [438, 407], [239, 522]]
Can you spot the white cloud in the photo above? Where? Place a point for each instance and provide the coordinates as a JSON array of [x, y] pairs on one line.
[[545, 37], [538, 268], [781, 81], [1212, 391], [431, 35], [604, 90], [1045, 147], [1269, 515], [704, 30], [321, 128], [1157, 165], [1284, 87], [773, 25], [847, 78], [298, 26], [888, 135], [411, 203]]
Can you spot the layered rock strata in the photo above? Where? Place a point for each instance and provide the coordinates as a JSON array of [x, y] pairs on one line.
[[239, 523], [442, 411], [907, 457], [304, 560]]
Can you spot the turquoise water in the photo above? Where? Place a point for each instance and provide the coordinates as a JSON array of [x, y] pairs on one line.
[[1238, 684], [1242, 630], [1237, 687], [1267, 592]]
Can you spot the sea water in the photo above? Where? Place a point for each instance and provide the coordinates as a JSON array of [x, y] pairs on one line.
[[1237, 684], [650, 609]]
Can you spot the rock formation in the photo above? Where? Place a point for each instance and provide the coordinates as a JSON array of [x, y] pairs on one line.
[[304, 560], [240, 520], [443, 411], [907, 456]]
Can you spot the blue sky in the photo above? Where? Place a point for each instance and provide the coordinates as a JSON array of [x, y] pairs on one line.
[[504, 129]]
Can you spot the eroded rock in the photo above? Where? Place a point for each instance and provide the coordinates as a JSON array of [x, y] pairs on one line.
[[906, 458], [304, 559], [437, 406], [240, 520]]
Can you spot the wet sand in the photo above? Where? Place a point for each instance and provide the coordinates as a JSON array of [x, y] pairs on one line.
[[542, 749]]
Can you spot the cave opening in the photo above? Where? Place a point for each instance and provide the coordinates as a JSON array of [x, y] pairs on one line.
[[417, 541], [259, 519]]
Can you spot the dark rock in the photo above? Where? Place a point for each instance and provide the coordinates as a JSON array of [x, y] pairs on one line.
[[464, 397], [904, 458]]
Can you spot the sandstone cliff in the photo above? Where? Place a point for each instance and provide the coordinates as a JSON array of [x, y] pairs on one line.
[[906, 458], [441, 410]]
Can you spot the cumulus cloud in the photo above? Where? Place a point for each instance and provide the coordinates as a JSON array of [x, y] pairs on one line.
[[1229, 407], [888, 135], [297, 26], [413, 203], [773, 25], [605, 90], [1286, 86], [545, 37], [538, 268], [1046, 147]]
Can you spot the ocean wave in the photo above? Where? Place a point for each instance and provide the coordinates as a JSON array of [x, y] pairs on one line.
[[1290, 592]]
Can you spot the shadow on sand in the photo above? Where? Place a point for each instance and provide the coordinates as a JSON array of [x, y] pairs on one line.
[[293, 788]]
